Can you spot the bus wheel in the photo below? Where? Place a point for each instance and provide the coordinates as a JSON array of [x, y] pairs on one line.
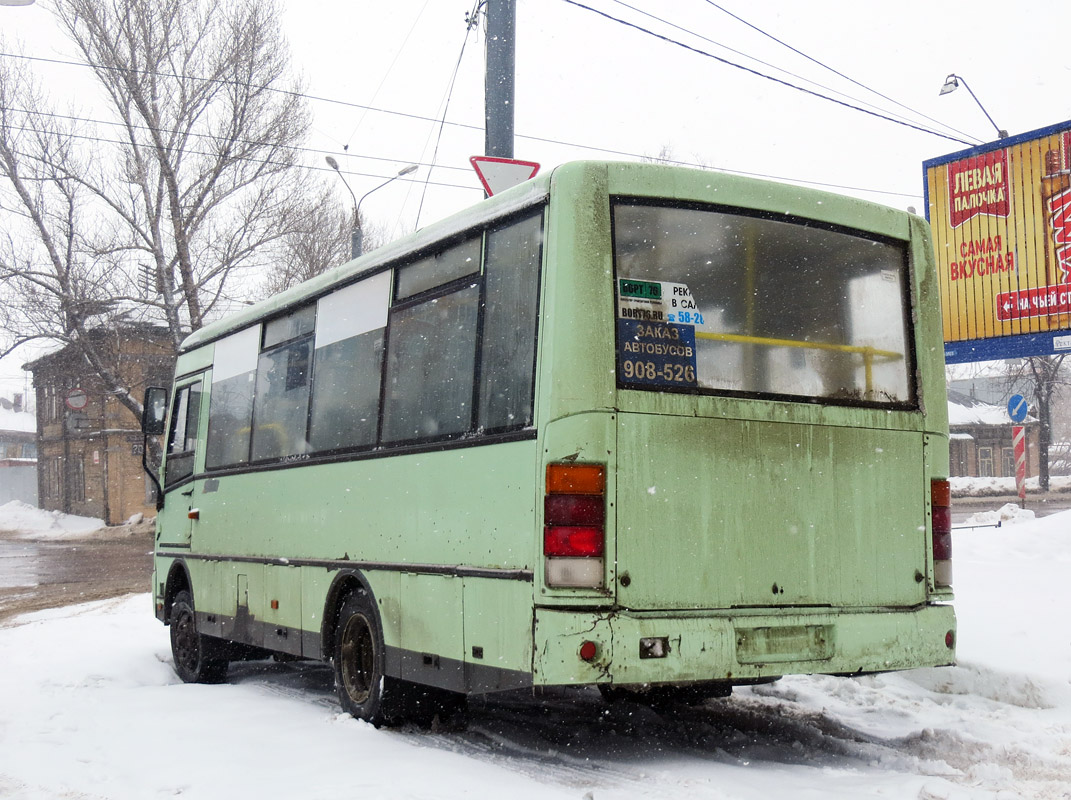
[[196, 656], [363, 690]]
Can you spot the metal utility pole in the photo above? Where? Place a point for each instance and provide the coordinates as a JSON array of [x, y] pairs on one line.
[[498, 80]]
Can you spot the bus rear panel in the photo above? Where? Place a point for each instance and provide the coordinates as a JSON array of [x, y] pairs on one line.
[[773, 435]]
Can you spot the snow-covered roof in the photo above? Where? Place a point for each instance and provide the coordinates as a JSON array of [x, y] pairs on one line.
[[965, 410], [22, 421]]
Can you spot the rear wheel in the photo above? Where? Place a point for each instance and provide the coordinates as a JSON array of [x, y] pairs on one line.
[[198, 658], [363, 689]]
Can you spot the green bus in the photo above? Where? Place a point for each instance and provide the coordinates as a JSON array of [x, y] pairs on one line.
[[656, 430]]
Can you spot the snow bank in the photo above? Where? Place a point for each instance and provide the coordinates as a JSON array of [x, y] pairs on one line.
[[33, 522], [991, 487], [1009, 513]]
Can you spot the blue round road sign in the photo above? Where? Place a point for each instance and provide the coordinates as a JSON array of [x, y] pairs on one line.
[[1017, 408]]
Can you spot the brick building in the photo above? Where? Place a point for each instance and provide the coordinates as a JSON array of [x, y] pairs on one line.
[[89, 444]]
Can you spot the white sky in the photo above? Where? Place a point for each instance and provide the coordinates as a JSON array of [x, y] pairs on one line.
[[585, 80]]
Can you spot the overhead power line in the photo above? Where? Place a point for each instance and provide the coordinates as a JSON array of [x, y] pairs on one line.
[[831, 69], [103, 140], [446, 108], [759, 74], [466, 126], [297, 148], [707, 39], [287, 92]]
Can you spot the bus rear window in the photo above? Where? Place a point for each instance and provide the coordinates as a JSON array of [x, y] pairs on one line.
[[720, 302]]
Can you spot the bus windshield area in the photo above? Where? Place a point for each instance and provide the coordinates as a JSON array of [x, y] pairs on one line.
[[713, 301]]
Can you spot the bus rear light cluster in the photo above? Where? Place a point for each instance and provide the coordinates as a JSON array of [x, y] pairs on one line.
[[941, 522], [574, 520]]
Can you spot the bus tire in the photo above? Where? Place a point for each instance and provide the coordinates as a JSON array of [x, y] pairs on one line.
[[198, 658], [363, 689]]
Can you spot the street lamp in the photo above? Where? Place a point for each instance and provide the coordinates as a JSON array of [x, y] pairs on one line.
[[359, 241], [356, 237], [16, 2], [952, 83], [355, 228]]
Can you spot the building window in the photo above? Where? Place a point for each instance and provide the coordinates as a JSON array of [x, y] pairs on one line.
[[958, 458], [78, 479], [1007, 462], [53, 478], [985, 462], [50, 414]]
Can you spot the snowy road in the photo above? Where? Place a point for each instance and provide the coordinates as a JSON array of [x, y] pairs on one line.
[[90, 709]]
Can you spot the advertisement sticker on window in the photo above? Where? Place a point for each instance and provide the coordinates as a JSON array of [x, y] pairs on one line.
[[656, 333], [656, 301]]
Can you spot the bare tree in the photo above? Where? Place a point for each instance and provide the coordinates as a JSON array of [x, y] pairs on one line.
[[320, 241], [163, 212], [1045, 371], [1042, 378]]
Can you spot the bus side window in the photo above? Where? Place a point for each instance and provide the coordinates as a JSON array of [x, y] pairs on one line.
[[281, 399], [507, 363], [230, 409], [440, 268], [349, 364], [431, 365], [182, 438]]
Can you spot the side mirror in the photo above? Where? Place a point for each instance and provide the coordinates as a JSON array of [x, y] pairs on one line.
[[154, 412]]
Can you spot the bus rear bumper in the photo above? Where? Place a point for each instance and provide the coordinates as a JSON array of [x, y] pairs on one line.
[[632, 648]]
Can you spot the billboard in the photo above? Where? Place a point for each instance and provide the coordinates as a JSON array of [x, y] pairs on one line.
[[1001, 220]]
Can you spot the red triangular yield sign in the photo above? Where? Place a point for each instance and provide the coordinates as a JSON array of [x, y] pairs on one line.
[[499, 174]]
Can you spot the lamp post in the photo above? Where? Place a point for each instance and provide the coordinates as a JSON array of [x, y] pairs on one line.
[[356, 237], [952, 83], [355, 227], [358, 242]]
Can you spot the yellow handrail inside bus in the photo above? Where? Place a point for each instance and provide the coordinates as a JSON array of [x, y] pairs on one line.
[[869, 354]]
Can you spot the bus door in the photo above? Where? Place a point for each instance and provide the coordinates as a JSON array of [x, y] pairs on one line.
[[181, 456]]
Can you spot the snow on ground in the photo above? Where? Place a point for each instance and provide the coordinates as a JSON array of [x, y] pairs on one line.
[[1007, 514], [38, 524], [988, 487], [90, 709]]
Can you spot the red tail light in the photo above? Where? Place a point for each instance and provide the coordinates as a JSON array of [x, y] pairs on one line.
[[941, 525], [562, 541], [574, 519]]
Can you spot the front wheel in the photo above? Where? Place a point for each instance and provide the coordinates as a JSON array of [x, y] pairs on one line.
[[197, 657]]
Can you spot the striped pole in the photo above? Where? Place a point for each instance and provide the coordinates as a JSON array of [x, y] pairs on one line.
[[1019, 444]]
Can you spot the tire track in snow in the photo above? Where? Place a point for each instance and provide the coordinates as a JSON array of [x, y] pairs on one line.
[[574, 739]]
